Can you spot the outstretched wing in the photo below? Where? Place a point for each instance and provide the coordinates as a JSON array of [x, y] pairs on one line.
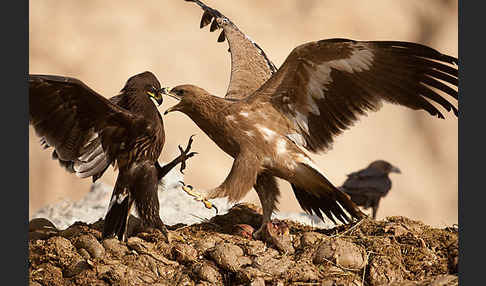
[[85, 129], [250, 66], [323, 86]]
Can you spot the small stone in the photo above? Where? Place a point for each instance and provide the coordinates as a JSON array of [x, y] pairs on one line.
[[91, 244], [341, 252], [254, 247], [115, 247], [84, 253], [207, 243], [206, 272], [184, 253], [227, 256], [272, 266], [244, 260], [396, 229], [61, 250], [41, 224], [76, 267], [41, 228], [310, 238]]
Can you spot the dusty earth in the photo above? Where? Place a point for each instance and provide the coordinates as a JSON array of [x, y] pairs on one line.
[[394, 251]]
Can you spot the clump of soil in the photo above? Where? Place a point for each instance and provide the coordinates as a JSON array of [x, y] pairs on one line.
[[396, 251]]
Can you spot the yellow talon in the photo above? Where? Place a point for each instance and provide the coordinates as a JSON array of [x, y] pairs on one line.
[[197, 196]]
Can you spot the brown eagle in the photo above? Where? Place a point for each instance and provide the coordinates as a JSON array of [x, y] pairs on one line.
[[89, 132], [366, 187], [269, 117]]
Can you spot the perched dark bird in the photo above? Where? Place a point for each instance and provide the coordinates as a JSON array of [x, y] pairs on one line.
[[269, 117], [89, 132], [366, 187]]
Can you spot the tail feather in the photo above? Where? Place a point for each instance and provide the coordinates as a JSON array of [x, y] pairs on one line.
[[117, 216], [316, 195]]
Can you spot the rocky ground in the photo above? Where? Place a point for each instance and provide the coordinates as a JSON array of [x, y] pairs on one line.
[[218, 251]]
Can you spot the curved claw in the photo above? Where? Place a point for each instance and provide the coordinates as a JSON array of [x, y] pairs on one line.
[[197, 196], [185, 153]]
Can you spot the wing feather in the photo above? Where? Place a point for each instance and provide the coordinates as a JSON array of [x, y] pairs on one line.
[[250, 66], [324, 86], [69, 116]]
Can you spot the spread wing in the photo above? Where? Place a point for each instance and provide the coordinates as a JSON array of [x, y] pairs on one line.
[[250, 66], [323, 86], [85, 129]]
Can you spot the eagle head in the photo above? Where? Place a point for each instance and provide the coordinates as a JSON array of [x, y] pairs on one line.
[[188, 96]]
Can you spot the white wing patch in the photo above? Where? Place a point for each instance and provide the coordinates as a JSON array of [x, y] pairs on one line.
[[281, 146], [318, 78], [297, 139], [302, 122], [95, 163], [360, 60], [267, 134]]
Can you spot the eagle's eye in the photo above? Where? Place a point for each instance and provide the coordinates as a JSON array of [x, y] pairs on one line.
[[180, 92], [151, 91]]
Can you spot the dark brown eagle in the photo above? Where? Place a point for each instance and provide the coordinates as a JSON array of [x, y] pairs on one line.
[[90, 132], [270, 117], [366, 187]]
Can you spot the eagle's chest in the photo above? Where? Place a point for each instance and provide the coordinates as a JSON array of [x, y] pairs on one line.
[[146, 147], [262, 135]]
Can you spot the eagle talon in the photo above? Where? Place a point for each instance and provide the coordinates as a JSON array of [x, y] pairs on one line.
[[185, 153], [197, 196]]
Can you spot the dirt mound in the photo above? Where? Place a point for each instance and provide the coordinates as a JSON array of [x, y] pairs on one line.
[[396, 251]]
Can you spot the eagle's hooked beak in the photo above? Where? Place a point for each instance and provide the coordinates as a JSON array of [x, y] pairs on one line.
[[159, 97], [167, 91], [156, 95]]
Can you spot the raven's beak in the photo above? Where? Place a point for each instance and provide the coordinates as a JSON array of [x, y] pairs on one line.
[[395, 170]]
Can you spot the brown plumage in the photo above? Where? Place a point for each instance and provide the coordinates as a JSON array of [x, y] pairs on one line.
[[366, 187], [319, 91], [89, 132]]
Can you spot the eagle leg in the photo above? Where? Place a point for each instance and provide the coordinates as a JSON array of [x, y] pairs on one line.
[[116, 219], [268, 192], [375, 208], [144, 191], [185, 154]]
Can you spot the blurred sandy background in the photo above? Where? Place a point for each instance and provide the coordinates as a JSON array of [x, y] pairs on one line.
[[105, 42]]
